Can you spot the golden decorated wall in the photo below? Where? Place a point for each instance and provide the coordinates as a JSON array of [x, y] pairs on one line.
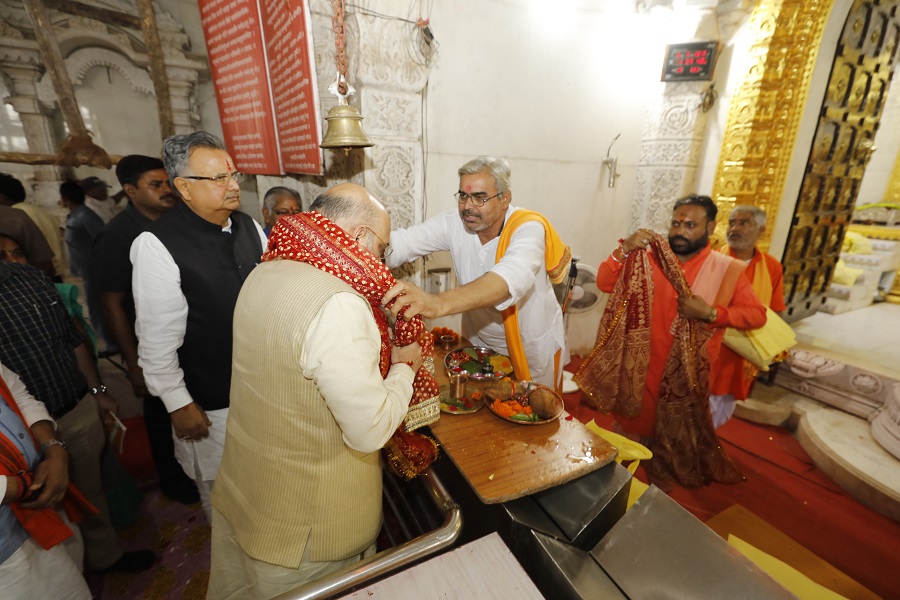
[[765, 112], [842, 146]]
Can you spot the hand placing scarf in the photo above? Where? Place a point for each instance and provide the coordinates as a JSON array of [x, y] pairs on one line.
[[314, 239]]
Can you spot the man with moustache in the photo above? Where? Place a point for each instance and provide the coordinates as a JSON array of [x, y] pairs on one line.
[[663, 326], [732, 376], [506, 260], [279, 202], [144, 181], [188, 270]]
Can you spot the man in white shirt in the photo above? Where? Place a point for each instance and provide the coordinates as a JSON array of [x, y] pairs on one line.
[[188, 270], [487, 286]]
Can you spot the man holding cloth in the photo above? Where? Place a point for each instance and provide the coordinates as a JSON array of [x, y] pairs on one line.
[[506, 260], [662, 327], [319, 378], [732, 376]]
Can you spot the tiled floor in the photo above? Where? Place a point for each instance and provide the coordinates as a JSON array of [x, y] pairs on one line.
[[869, 336]]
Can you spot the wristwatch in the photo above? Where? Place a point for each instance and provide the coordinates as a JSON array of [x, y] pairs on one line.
[[53, 442], [98, 390]]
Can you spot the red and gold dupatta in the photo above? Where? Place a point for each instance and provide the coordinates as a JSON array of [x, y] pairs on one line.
[[685, 447], [314, 239]]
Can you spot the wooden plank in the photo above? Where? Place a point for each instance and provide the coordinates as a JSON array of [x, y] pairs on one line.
[[742, 523], [503, 461]]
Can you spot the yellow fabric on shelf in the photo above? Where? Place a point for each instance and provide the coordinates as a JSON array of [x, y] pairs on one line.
[[856, 243], [628, 451], [761, 346], [793, 580], [845, 275]]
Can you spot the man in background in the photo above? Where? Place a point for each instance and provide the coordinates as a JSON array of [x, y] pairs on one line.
[[310, 378], [505, 259], [12, 193], [651, 367], [82, 228], [144, 181], [40, 344], [19, 226], [278, 202], [732, 376], [97, 198], [188, 270]]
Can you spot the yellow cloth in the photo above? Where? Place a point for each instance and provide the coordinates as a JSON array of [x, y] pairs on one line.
[[793, 580], [761, 346], [856, 243], [557, 256], [628, 451], [844, 275]]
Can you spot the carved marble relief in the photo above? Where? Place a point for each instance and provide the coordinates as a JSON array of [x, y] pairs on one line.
[[670, 152], [88, 43]]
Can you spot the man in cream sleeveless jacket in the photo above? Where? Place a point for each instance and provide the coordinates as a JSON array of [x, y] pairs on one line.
[[299, 491]]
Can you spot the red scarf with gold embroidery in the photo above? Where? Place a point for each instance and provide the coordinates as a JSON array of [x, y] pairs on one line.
[[685, 447], [314, 239]]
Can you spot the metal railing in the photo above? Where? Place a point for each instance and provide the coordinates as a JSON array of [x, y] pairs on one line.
[[393, 558]]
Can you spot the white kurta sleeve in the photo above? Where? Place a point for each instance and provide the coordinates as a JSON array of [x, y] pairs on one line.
[[419, 240], [161, 319], [341, 353]]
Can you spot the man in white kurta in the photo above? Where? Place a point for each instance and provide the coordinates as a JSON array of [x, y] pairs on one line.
[[487, 287]]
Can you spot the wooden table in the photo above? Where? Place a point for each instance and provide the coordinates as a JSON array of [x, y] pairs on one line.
[[742, 523], [503, 461]]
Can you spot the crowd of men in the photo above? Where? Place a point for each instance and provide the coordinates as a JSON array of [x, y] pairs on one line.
[[232, 332]]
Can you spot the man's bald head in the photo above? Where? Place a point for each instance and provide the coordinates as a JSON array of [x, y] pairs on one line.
[[352, 208]]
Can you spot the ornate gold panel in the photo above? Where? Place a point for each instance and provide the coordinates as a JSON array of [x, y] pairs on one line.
[[765, 111], [841, 149]]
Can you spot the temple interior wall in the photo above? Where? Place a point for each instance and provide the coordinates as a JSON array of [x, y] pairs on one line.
[[546, 85]]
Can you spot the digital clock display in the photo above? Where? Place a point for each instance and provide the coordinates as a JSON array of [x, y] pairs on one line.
[[693, 61]]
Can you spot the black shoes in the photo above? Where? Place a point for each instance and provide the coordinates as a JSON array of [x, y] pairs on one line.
[[185, 492], [131, 562]]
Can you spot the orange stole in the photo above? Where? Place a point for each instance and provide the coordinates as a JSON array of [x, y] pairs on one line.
[[557, 256]]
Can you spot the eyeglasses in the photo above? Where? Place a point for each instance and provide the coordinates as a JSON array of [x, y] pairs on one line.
[[477, 199], [287, 211], [219, 180], [385, 247]]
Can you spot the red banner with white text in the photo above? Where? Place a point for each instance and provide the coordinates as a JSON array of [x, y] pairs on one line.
[[261, 60]]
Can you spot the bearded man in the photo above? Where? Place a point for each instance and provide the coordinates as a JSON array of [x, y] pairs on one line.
[[319, 386], [663, 325], [506, 260]]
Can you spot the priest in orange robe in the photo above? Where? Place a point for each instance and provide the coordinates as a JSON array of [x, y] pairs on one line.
[[663, 326], [731, 377]]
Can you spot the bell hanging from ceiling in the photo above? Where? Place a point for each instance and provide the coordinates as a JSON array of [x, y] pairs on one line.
[[345, 128]]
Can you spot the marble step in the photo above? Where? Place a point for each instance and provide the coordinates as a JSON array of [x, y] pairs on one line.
[[842, 446]]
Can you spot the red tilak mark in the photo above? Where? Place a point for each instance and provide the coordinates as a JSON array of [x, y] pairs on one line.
[[230, 168], [468, 188]]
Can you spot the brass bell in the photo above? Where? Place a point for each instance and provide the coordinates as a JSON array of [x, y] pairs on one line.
[[345, 129]]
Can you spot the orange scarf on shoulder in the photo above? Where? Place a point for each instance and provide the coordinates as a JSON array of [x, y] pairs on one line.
[[44, 526], [557, 256]]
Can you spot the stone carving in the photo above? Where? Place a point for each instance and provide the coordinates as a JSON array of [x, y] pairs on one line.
[[866, 383]]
